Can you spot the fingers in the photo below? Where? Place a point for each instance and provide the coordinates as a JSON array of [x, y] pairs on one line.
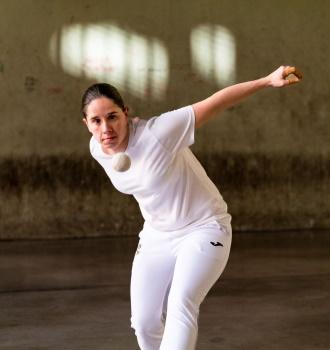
[[291, 75], [292, 79], [288, 70], [298, 74]]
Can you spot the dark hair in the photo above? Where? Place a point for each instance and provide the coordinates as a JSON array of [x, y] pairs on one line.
[[101, 90]]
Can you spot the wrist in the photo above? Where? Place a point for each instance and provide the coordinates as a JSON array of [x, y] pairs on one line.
[[265, 82]]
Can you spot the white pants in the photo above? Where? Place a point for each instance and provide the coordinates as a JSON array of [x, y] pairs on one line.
[[171, 275]]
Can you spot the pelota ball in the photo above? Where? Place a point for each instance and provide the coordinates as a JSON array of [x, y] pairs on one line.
[[121, 162]]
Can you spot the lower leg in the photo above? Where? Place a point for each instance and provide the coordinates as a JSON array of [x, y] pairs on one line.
[[181, 326], [149, 333]]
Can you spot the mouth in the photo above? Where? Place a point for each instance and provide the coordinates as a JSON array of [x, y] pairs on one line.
[[109, 139]]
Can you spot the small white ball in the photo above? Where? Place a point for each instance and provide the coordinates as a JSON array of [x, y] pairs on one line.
[[121, 162]]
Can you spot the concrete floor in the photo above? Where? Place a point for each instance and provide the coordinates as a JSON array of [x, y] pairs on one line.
[[74, 294]]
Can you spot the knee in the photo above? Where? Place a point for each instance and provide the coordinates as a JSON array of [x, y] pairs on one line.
[[184, 309], [148, 331], [147, 325]]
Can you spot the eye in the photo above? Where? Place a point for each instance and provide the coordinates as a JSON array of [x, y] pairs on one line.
[[112, 116], [96, 121]]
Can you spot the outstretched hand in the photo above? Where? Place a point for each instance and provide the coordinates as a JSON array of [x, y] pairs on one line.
[[283, 76]]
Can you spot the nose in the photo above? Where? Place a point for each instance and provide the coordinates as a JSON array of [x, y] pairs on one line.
[[106, 127]]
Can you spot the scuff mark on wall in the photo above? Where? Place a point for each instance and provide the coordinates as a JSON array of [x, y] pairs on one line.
[[30, 83], [54, 90]]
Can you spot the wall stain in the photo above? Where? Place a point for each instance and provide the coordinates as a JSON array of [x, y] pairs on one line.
[[54, 90], [230, 170], [50, 173], [71, 196], [30, 83]]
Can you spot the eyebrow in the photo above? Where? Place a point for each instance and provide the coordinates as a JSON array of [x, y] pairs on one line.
[[96, 116], [93, 118]]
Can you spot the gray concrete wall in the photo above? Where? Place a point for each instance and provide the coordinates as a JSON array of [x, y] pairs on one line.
[[269, 156]]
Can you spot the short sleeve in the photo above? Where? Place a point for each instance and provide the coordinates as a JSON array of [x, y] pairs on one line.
[[174, 130]]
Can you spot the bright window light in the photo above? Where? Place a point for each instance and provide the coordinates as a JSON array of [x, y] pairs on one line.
[[213, 53], [107, 53]]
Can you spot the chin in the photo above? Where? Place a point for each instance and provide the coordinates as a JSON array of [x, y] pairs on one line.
[[108, 150]]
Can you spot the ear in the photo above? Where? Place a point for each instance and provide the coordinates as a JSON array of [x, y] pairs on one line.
[[84, 120], [125, 110]]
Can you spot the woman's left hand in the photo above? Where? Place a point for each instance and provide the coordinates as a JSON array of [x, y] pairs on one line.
[[284, 75]]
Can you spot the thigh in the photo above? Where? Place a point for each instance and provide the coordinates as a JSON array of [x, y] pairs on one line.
[[152, 271], [201, 259]]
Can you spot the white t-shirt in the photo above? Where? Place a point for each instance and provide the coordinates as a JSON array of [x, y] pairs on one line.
[[168, 182]]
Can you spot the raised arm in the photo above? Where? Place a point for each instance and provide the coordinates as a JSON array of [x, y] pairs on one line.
[[227, 97]]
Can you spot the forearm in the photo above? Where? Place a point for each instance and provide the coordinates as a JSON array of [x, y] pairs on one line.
[[211, 106], [225, 98], [234, 94]]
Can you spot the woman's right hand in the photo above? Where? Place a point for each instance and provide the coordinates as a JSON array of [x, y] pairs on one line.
[[283, 76]]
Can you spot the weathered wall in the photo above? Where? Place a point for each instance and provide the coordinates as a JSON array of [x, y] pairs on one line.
[[270, 156]]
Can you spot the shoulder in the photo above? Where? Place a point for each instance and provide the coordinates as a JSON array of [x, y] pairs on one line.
[[178, 119], [183, 112]]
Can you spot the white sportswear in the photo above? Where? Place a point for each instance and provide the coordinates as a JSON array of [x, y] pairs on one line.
[[170, 185], [171, 275], [185, 243]]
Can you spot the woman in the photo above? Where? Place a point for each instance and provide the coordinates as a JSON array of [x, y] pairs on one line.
[[185, 242]]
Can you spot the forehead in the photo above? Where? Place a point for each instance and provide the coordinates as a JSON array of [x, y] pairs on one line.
[[101, 106]]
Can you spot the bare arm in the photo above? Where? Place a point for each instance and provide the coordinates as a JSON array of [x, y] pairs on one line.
[[227, 97]]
